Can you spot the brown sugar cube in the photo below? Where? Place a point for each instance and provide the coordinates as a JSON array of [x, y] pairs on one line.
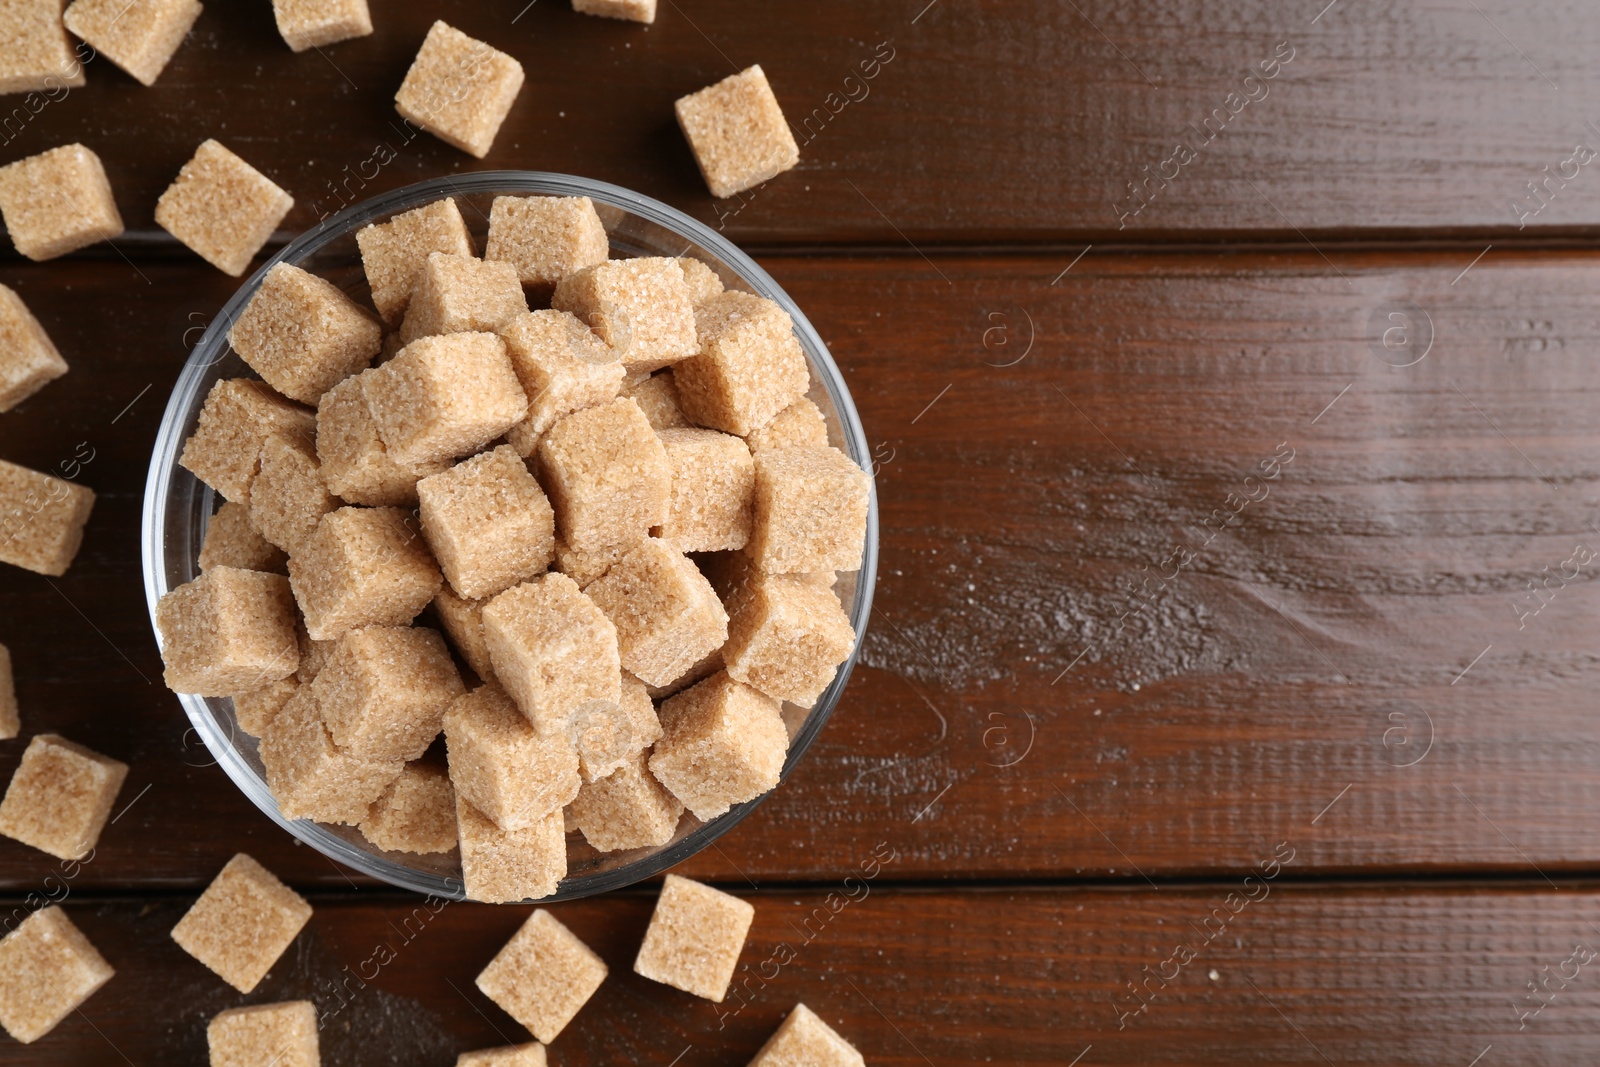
[[543, 976], [702, 670], [265, 1035], [626, 809], [462, 620], [232, 542], [383, 692], [239, 415], [307, 24], [444, 397], [546, 238], [255, 709], [47, 969], [10, 721], [737, 132], [657, 397], [530, 1055], [607, 733], [242, 923], [553, 649], [694, 939], [362, 567], [227, 631], [631, 10], [393, 252], [704, 283], [563, 368], [312, 778], [355, 464], [505, 866], [585, 565], [41, 519], [713, 487], [416, 814], [460, 294], [786, 637], [749, 366], [811, 511], [58, 201], [38, 56], [459, 89], [800, 425], [289, 496], [222, 207], [501, 766], [139, 36], [488, 523], [303, 335], [667, 615], [28, 359], [640, 307], [60, 797], [722, 743], [804, 1038], [607, 475]]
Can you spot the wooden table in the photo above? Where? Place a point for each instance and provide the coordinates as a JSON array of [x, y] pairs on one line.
[[1219, 705]]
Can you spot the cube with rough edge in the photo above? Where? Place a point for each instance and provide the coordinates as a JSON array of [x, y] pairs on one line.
[[737, 132], [505, 866], [231, 541], [290, 495], [640, 307], [563, 368], [502, 766], [355, 463], [393, 252], [488, 523], [222, 208], [265, 1035], [722, 743], [631, 10], [60, 797], [29, 360], [800, 425], [585, 565], [530, 1055], [140, 36], [657, 397], [227, 631], [626, 809], [239, 415], [749, 366], [704, 282], [38, 55], [58, 201], [713, 490], [362, 567], [47, 969], [383, 691], [543, 976], [546, 238], [607, 476], [695, 936], [805, 1039], [462, 620], [10, 720], [810, 511], [552, 649], [307, 24], [416, 814], [312, 778], [444, 397], [607, 733], [254, 709], [667, 615], [459, 89], [41, 519], [787, 636], [460, 294], [702, 670], [242, 923], [303, 335]]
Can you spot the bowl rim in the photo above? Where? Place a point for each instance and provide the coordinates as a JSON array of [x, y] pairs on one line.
[[213, 345]]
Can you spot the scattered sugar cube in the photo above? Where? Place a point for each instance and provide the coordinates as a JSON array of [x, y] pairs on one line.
[[804, 1038], [41, 519], [800, 425], [227, 631], [811, 511], [530, 1055], [657, 397], [265, 1035], [58, 201], [563, 368], [383, 692], [722, 743], [47, 969], [640, 307], [488, 523], [607, 733], [416, 814], [713, 488], [289, 496], [139, 36], [313, 23], [606, 474], [546, 238], [303, 335], [787, 636], [38, 56], [10, 720], [459, 89], [704, 282], [60, 797], [239, 415], [553, 649], [355, 463], [460, 294], [254, 709], [667, 615], [231, 541], [242, 923], [312, 778], [222, 207], [694, 939], [462, 620], [585, 565], [502, 766], [505, 866], [631, 10], [543, 976], [738, 133], [362, 567], [444, 397], [28, 359], [627, 808], [749, 366], [393, 252]]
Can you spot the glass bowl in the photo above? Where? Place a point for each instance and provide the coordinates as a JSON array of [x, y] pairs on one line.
[[177, 506]]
